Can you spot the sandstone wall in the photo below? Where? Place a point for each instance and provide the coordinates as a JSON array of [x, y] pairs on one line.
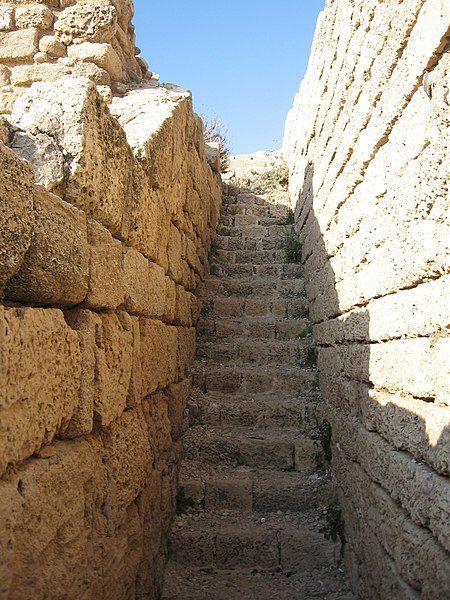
[[106, 217], [368, 143], [45, 40]]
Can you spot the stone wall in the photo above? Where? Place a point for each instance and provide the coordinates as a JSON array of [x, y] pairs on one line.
[[106, 218], [368, 143], [45, 40]]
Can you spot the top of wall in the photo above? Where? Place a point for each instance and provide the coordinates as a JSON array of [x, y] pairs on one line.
[[47, 40]]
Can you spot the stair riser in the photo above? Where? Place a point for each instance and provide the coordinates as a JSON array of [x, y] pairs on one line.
[[227, 551], [261, 547], [248, 452], [243, 494], [233, 382], [245, 414]]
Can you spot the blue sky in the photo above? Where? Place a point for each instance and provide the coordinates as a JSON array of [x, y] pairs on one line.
[[242, 59]]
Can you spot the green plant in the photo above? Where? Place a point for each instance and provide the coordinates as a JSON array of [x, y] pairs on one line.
[[206, 311], [224, 231], [289, 219], [300, 313], [183, 502], [334, 527], [293, 250], [303, 334], [214, 248]]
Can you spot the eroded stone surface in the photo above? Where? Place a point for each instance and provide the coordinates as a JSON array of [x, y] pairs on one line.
[[368, 150]]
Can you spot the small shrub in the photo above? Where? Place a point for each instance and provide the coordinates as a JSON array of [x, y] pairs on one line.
[[206, 311], [293, 250], [215, 133], [289, 219], [334, 527], [223, 231], [301, 313], [214, 248]]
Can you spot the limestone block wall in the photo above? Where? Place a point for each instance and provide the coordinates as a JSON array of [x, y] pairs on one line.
[[45, 40], [368, 146], [106, 217]]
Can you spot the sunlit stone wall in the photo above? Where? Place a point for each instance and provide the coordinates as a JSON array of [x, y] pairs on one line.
[[42, 41], [368, 146]]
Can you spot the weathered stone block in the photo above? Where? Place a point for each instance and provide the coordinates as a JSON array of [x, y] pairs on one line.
[[100, 169], [24, 75], [145, 287], [186, 350], [18, 45], [6, 17], [128, 459], [155, 408], [44, 156], [106, 273], [159, 348], [171, 300], [94, 21], [52, 46], [40, 372], [55, 269], [16, 213], [33, 15], [114, 360], [50, 546], [178, 394], [102, 55]]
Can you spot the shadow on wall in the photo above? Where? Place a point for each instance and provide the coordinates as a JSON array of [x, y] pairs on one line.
[[391, 477]]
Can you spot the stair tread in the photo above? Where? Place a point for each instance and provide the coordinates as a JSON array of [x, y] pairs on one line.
[[248, 524], [207, 584]]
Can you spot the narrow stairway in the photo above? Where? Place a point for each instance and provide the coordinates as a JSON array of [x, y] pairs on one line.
[[256, 503]]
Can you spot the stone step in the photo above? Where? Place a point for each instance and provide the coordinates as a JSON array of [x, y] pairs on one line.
[[291, 542], [282, 449], [247, 351], [216, 377], [257, 286], [249, 245], [257, 490], [226, 258], [257, 328], [255, 306], [185, 583], [235, 216], [262, 411], [229, 269]]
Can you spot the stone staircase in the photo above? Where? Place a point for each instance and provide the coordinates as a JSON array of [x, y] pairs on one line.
[[255, 493]]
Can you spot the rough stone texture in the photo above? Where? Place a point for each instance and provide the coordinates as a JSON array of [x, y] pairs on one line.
[[16, 213], [42, 41], [367, 143], [96, 323]]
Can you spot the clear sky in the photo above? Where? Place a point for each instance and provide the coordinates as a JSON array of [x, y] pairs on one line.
[[242, 59]]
